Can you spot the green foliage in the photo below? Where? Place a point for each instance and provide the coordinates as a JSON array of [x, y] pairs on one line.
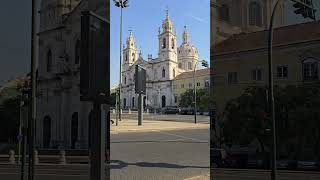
[[113, 97], [203, 99], [297, 114]]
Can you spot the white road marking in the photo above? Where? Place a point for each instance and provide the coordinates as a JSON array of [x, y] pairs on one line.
[[184, 137]]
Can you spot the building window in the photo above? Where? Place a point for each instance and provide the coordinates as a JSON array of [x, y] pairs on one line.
[[173, 45], [125, 80], [163, 73], [206, 83], [133, 57], [126, 57], [77, 52], [256, 74], [224, 13], [198, 84], [182, 85], [180, 65], [190, 85], [174, 72], [310, 70], [163, 43], [232, 77], [49, 60], [189, 66], [175, 99], [255, 14], [282, 72]]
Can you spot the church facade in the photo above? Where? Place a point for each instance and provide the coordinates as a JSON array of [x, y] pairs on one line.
[[62, 119], [172, 60]]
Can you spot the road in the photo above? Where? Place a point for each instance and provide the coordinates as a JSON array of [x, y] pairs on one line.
[[165, 117], [159, 155], [165, 155]]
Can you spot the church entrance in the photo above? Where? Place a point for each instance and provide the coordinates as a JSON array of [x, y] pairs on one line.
[[46, 131], [74, 130], [144, 101], [163, 101], [132, 102], [124, 102]]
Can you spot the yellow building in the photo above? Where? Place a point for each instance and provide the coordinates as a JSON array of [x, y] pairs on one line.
[[185, 81], [243, 60]]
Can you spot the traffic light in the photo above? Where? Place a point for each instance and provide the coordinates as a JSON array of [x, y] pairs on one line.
[[305, 8], [94, 61], [204, 63]]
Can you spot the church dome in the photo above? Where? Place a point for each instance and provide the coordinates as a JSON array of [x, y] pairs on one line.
[[187, 49]]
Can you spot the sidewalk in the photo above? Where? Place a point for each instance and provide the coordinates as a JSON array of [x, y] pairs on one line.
[[202, 177], [128, 125]]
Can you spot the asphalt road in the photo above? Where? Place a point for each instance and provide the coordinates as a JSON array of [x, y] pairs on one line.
[[169, 155], [165, 155], [166, 117]]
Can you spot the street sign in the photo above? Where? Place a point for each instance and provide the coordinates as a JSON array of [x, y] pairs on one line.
[[94, 61], [140, 80]]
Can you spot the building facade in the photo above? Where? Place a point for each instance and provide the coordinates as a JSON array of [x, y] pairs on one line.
[[62, 119], [172, 60]]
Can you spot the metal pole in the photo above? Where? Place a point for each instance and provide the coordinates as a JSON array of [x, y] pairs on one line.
[[33, 90], [20, 128], [195, 93], [116, 108], [97, 152], [140, 110], [271, 96], [120, 73]]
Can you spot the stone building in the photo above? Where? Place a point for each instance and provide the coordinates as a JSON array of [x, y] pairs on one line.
[[62, 119]]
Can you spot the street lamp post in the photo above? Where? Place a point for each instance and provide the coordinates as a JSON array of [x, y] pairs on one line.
[[121, 4], [305, 8], [204, 64]]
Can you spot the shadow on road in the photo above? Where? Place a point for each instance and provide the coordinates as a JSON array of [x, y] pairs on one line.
[[117, 164], [174, 141]]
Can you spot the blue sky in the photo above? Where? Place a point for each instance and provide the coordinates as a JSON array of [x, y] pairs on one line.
[[144, 17]]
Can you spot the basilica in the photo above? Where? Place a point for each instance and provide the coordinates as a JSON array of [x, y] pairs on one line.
[[161, 71]]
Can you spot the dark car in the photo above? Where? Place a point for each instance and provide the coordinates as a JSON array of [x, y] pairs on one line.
[[186, 111], [171, 110]]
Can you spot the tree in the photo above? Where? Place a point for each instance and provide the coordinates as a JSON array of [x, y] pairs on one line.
[[203, 99], [113, 97], [186, 99], [245, 119]]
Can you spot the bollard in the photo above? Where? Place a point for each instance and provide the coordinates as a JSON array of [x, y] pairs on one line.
[[129, 111], [12, 159], [113, 111], [62, 159], [36, 157]]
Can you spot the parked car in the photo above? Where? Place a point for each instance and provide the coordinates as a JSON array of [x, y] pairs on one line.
[[171, 110], [286, 164], [186, 111], [307, 165]]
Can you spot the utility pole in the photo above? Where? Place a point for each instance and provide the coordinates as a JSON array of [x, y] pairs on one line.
[[140, 88]]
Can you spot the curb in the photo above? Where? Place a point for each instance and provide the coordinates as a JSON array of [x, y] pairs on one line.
[[152, 130]]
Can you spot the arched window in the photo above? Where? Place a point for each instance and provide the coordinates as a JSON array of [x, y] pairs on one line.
[[224, 13], [173, 45], [310, 69], [163, 43], [255, 14], [77, 52], [49, 60], [133, 57], [125, 80], [163, 101], [174, 72], [132, 105], [189, 65], [163, 73]]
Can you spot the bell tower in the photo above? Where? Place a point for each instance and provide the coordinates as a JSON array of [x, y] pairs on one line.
[[130, 52], [167, 40]]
